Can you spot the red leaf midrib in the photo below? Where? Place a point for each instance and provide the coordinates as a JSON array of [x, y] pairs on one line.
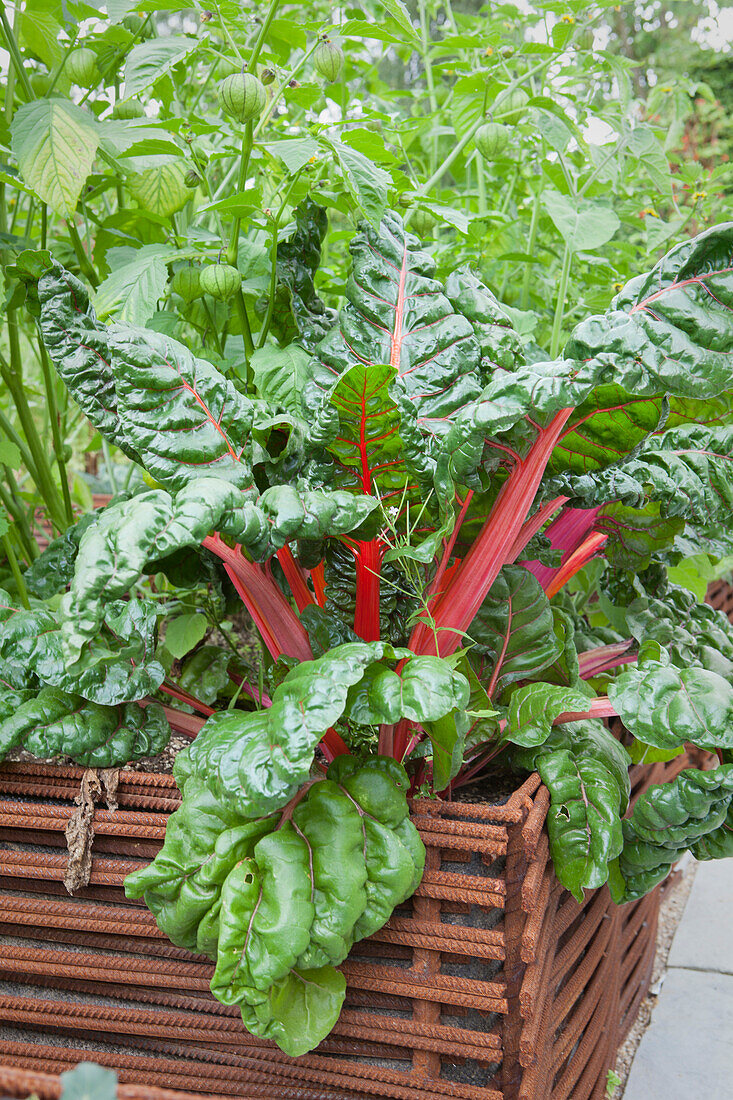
[[700, 279]]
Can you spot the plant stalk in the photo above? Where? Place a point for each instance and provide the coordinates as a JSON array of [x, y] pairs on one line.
[[15, 570], [58, 444], [562, 291]]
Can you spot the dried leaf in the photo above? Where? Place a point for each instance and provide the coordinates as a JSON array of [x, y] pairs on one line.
[[80, 833], [110, 778]]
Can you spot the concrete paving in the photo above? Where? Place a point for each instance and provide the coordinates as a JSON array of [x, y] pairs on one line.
[[687, 1050]]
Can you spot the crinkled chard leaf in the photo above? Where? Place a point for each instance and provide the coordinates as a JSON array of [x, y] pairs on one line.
[[205, 673], [55, 723], [53, 569], [583, 819], [131, 536], [665, 323], [298, 314], [662, 350], [534, 707], [279, 901], [587, 739], [330, 825], [514, 629], [157, 401], [686, 471], [260, 759], [266, 918], [117, 665], [299, 1010], [425, 690], [397, 314], [636, 535], [665, 706], [690, 811], [689, 632], [81, 350]]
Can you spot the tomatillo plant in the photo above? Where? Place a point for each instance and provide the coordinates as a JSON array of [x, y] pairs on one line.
[[455, 553]]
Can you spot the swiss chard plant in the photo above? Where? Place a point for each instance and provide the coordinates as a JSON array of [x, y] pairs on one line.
[[456, 555]]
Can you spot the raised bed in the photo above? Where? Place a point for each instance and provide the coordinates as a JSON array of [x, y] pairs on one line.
[[492, 982]]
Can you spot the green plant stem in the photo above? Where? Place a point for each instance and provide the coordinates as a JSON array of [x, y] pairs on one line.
[[13, 379], [463, 142], [225, 30], [204, 86], [110, 466], [533, 226], [13, 436], [16, 510], [268, 112], [58, 443], [15, 55], [233, 249], [260, 41], [273, 262], [450, 16], [212, 327], [114, 63], [15, 570], [481, 182], [62, 63], [429, 78], [602, 164], [562, 291], [249, 347], [84, 263]]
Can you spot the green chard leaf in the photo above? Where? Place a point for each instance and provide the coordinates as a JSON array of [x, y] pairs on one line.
[[661, 353], [278, 901], [534, 707], [665, 706], [583, 821], [117, 665], [55, 723], [514, 629], [689, 811], [672, 329], [259, 760], [139, 534], [687, 472]]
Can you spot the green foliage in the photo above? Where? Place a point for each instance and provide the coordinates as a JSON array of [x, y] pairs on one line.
[[88, 1081], [688, 812], [277, 901], [399, 464]]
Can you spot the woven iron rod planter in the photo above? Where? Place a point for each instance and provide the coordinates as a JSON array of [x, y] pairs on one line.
[[491, 983]]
